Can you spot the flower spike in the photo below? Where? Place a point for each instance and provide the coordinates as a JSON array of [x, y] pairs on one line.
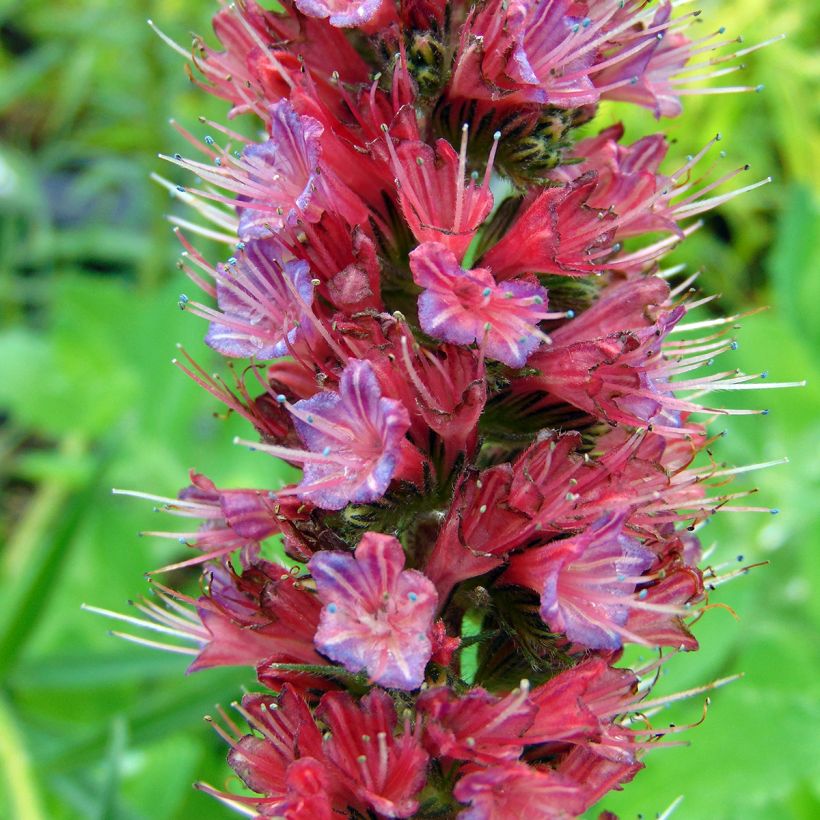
[[452, 314]]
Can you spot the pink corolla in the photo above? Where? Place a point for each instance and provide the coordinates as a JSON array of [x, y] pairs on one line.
[[587, 582], [368, 15], [284, 761], [273, 182], [466, 306], [478, 726], [354, 440], [262, 298], [376, 764], [436, 200], [556, 231], [518, 790], [529, 50], [376, 616], [364, 761]]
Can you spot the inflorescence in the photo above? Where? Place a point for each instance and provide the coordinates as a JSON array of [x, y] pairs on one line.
[[450, 310]]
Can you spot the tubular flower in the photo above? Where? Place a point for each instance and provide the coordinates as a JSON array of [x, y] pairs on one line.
[[462, 307], [500, 413], [381, 769], [586, 582], [354, 440], [376, 616]]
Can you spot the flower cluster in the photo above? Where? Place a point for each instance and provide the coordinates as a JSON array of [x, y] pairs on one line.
[[452, 316]]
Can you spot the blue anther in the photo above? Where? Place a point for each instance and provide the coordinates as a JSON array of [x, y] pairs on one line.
[[412, 596], [486, 291], [570, 314], [231, 260], [209, 140], [281, 398], [331, 608], [326, 451]]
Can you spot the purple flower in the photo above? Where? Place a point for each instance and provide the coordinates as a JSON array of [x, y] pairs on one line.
[[376, 615], [587, 582], [463, 306], [357, 435], [280, 175], [259, 309]]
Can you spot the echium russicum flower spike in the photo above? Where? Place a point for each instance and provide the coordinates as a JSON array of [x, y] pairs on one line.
[[448, 307]]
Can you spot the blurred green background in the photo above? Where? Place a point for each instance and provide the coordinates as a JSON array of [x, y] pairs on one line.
[[91, 727]]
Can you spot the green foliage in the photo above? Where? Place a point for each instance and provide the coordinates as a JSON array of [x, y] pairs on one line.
[[93, 728]]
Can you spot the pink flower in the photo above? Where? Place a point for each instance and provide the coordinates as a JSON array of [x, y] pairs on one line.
[[379, 768], [477, 727], [556, 231], [647, 77], [354, 441], [436, 200], [259, 617], [369, 15], [586, 582], [529, 50], [564, 714], [518, 790], [465, 306], [376, 616], [262, 300], [449, 392], [289, 734]]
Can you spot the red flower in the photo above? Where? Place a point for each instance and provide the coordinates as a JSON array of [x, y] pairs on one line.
[[380, 769]]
